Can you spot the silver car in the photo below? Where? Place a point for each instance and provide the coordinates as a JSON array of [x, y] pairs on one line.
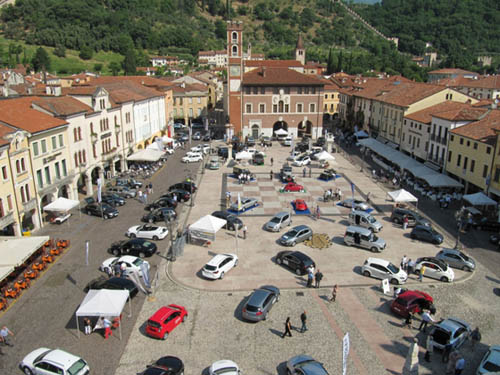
[[246, 203], [305, 365], [278, 221], [260, 303], [356, 203], [457, 259], [122, 191], [295, 235], [452, 331]]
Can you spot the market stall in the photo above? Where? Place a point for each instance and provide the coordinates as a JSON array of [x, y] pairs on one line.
[[206, 228], [61, 207]]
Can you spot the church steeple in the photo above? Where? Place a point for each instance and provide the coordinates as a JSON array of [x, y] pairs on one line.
[[300, 52]]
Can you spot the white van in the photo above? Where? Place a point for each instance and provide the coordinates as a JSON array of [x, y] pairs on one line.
[[362, 237], [364, 219]]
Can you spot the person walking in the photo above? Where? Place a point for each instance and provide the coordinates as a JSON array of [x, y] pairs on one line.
[[334, 293], [459, 366], [421, 274], [411, 266], [271, 175], [150, 188], [145, 197], [318, 213], [310, 277], [288, 328], [317, 278], [139, 196], [87, 326], [304, 171], [405, 222], [475, 337], [426, 319], [228, 199], [428, 348], [303, 319], [272, 162], [245, 232], [107, 327], [4, 335], [404, 263], [409, 320]]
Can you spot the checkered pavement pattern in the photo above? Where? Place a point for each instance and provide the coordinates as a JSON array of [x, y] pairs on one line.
[[271, 201]]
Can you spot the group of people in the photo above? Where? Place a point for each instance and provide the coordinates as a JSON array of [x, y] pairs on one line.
[[331, 195], [142, 196], [288, 325], [408, 265], [244, 178], [316, 277]]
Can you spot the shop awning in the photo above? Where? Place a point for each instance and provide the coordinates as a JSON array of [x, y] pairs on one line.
[[146, 155], [14, 251], [479, 199]]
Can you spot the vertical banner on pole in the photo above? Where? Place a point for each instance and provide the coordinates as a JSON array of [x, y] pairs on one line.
[[345, 353], [99, 190], [87, 245]]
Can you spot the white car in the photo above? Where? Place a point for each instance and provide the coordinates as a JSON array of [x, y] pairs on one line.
[[132, 264], [169, 150], [217, 267], [152, 232], [302, 161], [287, 141], [194, 153], [491, 361], [293, 155], [435, 268], [224, 366], [383, 269], [45, 361], [192, 158]]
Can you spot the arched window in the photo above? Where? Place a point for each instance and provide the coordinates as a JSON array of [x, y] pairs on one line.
[[76, 159], [18, 167], [23, 166], [235, 51], [27, 190], [281, 106], [79, 133], [234, 36]]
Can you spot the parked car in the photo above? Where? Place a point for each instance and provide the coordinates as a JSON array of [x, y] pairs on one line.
[[294, 155], [225, 367], [232, 221], [490, 363], [164, 321], [302, 161], [278, 221], [320, 142], [131, 182], [426, 233], [45, 361], [122, 191], [293, 187], [103, 210], [160, 214], [305, 365], [250, 142], [435, 268], [452, 331], [383, 269], [132, 264], [295, 260], [149, 231], [137, 247], [161, 202], [413, 301], [182, 195], [246, 203], [457, 259], [192, 158], [266, 141], [366, 220], [287, 141], [356, 203], [168, 365], [260, 303], [286, 173], [302, 147], [364, 238], [258, 158], [300, 205], [414, 218], [183, 137], [296, 235], [219, 265], [213, 163], [113, 199], [113, 283], [223, 152], [196, 136], [185, 185]]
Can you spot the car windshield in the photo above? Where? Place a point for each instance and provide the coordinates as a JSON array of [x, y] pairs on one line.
[[292, 233], [371, 219], [491, 367], [252, 308], [137, 262], [226, 370], [154, 324], [275, 220], [209, 267], [402, 301], [465, 257], [393, 268], [147, 244], [76, 367], [441, 337], [373, 238], [39, 358]]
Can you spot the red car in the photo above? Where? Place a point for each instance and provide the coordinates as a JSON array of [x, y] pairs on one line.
[[300, 205], [165, 320], [292, 186], [411, 300]]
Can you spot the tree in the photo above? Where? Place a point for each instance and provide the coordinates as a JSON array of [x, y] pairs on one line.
[[86, 52], [97, 67], [60, 51], [114, 67], [220, 29], [129, 63], [41, 60], [329, 65]]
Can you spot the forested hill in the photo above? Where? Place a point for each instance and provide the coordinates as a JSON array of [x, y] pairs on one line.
[[459, 29]]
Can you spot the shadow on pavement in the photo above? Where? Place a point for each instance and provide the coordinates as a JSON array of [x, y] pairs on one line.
[[276, 332], [357, 269], [239, 308]]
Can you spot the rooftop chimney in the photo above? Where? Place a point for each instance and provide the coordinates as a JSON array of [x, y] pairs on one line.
[[263, 71]]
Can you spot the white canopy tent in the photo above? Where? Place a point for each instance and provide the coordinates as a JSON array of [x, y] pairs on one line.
[[441, 180], [146, 155], [281, 131], [14, 251], [103, 303], [5, 271], [479, 199], [243, 155], [61, 204], [166, 139], [402, 196], [154, 146], [323, 155], [206, 227]]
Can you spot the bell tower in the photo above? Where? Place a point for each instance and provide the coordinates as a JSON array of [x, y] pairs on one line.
[[300, 52], [234, 73]]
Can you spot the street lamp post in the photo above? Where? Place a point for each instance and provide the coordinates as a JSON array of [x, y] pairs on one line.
[[170, 223], [459, 216]]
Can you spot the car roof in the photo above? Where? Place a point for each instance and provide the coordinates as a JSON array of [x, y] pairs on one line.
[[451, 324], [434, 260], [300, 227], [410, 295], [61, 357], [360, 213], [301, 256], [380, 261], [162, 313], [127, 258], [258, 297], [360, 230], [281, 214], [218, 258]]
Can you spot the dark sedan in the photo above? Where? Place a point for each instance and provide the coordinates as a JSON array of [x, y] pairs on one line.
[[137, 247], [114, 283], [161, 202], [232, 220], [160, 214], [426, 233], [103, 210], [295, 260], [185, 185], [305, 365], [260, 303], [181, 194], [113, 199], [168, 365]]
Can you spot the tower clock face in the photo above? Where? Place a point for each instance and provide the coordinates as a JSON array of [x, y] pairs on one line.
[[234, 70]]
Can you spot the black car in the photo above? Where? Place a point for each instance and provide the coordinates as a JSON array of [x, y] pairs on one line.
[[301, 147], [250, 142], [206, 137], [223, 152], [133, 183], [161, 202], [136, 247], [321, 141], [114, 283], [258, 159], [185, 185], [232, 220], [295, 260], [103, 210], [113, 199], [426, 233], [160, 214], [414, 218], [183, 137], [168, 365], [181, 195]]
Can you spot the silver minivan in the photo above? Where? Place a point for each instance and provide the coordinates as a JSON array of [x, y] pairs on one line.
[[278, 221], [362, 237], [364, 219]]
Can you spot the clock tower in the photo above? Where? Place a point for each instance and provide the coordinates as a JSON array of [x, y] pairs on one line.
[[234, 73]]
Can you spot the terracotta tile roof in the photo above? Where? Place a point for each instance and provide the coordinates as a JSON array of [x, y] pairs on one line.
[[452, 71], [19, 113], [80, 90], [62, 105], [4, 130], [206, 53], [279, 76], [483, 103], [25, 89], [453, 111], [179, 89], [273, 63], [147, 81], [482, 130]]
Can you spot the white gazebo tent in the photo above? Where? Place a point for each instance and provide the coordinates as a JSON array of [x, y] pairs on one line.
[[206, 227], [281, 131], [14, 251], [402, 196], [166, 139], [146, 155], [323, 155], [243, 155], [154, 146], [479, 199], [62, 205], [103, 303]]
